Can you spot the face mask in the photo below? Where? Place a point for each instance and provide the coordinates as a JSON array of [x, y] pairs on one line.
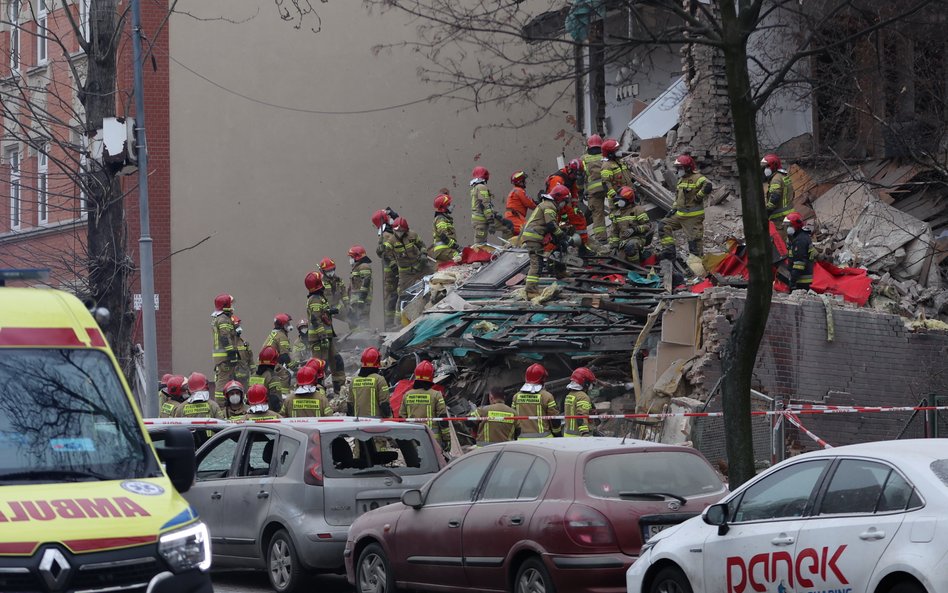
[[791, 231], [352, 261], [768, 172], [450, 209], [239, 330], [620, 203], [680, 173], [331, 273], [235, 399]]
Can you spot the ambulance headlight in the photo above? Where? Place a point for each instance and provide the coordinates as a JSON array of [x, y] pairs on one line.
[[187, 548]]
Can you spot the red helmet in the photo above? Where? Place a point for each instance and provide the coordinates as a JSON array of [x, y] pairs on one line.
[[357, 252], [223, 302], [327, 265], [165, 377], [318, 365], [313, 281], [234, 386], [609, 147], [282, 320], [371, 358], [197, 382], [269, 355], [424, 372], [795, 220], [771, 161], [177, 386], [441, 202], [627, 193], [583, 376], [379, 218], [574, 166], [560, 193], [594, 141], [480, 173], [400, 224], [306, 376], [685, 162], [257, 395], [518, 178], [536, 374]]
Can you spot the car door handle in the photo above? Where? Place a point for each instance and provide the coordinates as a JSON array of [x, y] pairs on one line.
[[872, 534], [263, 494], [782, 540], [215, 496], [516, 520], [454, 523]]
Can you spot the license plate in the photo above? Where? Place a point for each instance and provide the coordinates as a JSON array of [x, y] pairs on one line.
[[651, 530], [370, 505]]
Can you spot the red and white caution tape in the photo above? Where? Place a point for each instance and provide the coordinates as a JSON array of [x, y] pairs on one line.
[[796, 422]]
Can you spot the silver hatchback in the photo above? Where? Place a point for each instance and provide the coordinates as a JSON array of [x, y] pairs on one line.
[[281, 497]]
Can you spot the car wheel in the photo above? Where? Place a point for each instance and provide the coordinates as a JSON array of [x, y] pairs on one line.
[[907, 587], [373, 572], [532, 577], [670, 580], [283, 564]]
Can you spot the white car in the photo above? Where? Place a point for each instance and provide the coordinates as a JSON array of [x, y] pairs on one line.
[[867, 518]]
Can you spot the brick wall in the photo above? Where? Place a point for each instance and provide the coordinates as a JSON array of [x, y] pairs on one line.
[[872, 361]]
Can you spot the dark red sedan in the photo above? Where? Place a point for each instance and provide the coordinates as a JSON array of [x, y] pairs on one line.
[[532, 516]]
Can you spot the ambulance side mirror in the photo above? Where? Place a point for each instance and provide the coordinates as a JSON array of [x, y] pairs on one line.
[[716, 514], [178, 456]]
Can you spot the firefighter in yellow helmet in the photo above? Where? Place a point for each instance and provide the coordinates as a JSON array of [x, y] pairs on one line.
[[199, 404], [577, 403], [534, 400], [360, 288], [226, 341], [309, 399], [424, 402], [494, 422], [369, 392], [687, 210]]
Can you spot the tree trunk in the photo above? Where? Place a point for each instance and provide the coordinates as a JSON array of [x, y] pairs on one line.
[[740, 352], [109, 264]]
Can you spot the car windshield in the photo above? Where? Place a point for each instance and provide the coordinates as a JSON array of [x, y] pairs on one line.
[[670, 472], [64, 416], [396, 451]]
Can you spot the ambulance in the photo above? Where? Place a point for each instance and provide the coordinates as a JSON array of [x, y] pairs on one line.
[[86, 503]]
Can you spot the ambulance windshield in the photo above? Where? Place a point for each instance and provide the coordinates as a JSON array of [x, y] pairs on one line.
[[64, 417]]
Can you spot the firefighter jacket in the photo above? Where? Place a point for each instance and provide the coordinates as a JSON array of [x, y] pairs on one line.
[[407, 251], [202, 408], [262, 415], [335, 291], [496, 424], [367, 394], [301, 351], [801, 258], [571, 215], [518, 204], [539, 403], [444, 235], [615, 174], [168, 408], [360, 283], [272, 381], [689, 198], [280, 341], [561, 178], [592, 163], [778, 196], [427, 403], [577, 403], [482, 204], [307, 405], [226, 339], [244, 354], [389, 267], [542, 222], [320, 320], [230, 413], [629, 223]]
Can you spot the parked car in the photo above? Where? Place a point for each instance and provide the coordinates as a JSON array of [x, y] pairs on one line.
[[531, 516], [281, 497], [860, 518]]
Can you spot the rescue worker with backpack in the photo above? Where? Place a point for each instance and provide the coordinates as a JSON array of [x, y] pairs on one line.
[[631, 228], [494, 422], [279, 339], [541, 229], [226, 341], [424, 402], [383, 219], [369, 391], [177, 390], [518, 203], [309, 399], [200, 404], [534, 400], [408, 252], [802, 253], [778, 192], [234, 405], [360, 288], [577, 403], [614, 172], [445, 243], [266, 377], [594, 189], [258, 407], [687, 212]]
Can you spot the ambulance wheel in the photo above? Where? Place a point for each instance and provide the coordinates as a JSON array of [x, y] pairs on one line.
[[670, 580], [907, 587], [283, 564]]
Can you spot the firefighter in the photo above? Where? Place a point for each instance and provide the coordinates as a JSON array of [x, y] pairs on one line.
[[320, 318], [163, 389], [226, 340], [445, 243], [534, 400], [234, 401], [382, 219], [279, 339], [518, 203], [778, 192], [258, 407], [301, 348], [687, 210], [424, 402], [631, 228], [336, 292], [483, 218], [567, 176], [573, 221], [408, 251], [802, 253], [245, 359], [577, 403], [360, 288], [309, 399], [594, 189], [200, 404], [266, 376], [541, 225], [614, 172], [369, 393], [177, 390], [495, 423]]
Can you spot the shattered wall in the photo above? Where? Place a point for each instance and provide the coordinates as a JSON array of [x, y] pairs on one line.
[[871, 361]]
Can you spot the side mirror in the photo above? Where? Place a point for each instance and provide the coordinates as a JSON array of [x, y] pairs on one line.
[[413, 499], [178, 456], [716, 514]]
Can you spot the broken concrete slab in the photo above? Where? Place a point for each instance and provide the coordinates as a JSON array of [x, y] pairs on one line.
[[880, 232], [839, 208]]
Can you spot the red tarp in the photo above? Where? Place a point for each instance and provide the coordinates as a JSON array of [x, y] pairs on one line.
[[469, 255], [398, 393], [853, 284]]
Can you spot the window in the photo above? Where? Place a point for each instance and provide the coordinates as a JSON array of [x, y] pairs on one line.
[[680, 473], [216, 463], [860, 486], [13, 17], [288, 449], [507, 479], [458, 482], [782, 494], [42, 183], [16, 206], [258, 456], [396, 451], [84, 6], [535, 481], [41, 32]]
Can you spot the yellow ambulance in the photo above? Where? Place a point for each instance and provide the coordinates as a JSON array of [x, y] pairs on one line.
[[85, 503]]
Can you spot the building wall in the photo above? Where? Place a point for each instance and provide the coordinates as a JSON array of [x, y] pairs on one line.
[[261, 193]]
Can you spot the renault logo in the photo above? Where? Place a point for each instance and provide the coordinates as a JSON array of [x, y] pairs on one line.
[[55, 569]]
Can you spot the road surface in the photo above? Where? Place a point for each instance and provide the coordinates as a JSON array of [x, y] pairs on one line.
[[255, 581]]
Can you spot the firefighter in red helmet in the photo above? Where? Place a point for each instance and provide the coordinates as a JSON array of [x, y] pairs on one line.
[[266, 375], [360, 288], [309, 399], [408, 252], [424, 402], [383, 220], [335, 288], [594, 189], [483, 217], [199, 404], [687, 212], [802, 254], [226, 343], [778, 192], [631, 229], [369, 393], [534, 400], [177, 390], [258, 406], [577, 403], [445, 242], [279, 339], [540, 229]]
